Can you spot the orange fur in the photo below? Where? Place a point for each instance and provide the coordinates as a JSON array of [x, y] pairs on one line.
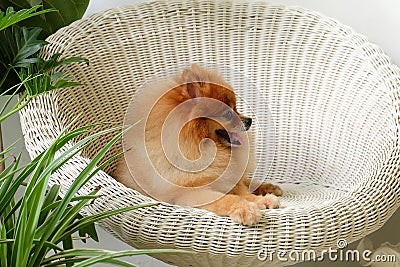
[[202, 129]]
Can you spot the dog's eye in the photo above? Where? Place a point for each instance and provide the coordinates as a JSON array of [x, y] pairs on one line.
[[228, 115]]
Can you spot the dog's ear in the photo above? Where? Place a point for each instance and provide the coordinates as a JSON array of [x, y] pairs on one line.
[[194, 89], [194, 84], [194, 73]]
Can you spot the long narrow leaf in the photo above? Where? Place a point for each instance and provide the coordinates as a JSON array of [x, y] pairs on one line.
[[5, 176], [11, 17], [53, 205], [3, 247], [54, 62], [48, 244], [32, 202], [67, 219], [11, 214], [44, 227], [7, 103], [82, 178], [80, 259], [30, 211], [88, 231], [47, 80], [99, 216], [9, 187], [65, 156], [119, 263], [68, 244], [8, 149], [35, 198], [51, 196], [67, 12], [104, 255], [111, 255]]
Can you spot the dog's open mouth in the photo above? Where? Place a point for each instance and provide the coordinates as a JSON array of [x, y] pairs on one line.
[[231, 137]]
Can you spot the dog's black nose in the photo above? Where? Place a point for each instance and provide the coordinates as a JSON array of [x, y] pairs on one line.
[[247, 123]]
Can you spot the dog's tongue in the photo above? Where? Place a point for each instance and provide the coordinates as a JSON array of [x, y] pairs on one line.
[[235, 139]]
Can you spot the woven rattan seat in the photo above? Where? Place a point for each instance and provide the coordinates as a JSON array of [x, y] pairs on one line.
[[333, 96]]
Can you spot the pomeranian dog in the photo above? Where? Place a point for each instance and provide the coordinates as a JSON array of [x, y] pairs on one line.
[[191, 147]]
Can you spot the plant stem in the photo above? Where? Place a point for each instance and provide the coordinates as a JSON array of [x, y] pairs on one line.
[[4, 77], [18, 106], [3, 164]]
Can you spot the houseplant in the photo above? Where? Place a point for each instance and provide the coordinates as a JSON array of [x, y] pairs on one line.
[[22, 34], [40, 222]]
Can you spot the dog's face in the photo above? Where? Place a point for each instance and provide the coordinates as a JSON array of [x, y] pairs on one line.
[[218, 118]]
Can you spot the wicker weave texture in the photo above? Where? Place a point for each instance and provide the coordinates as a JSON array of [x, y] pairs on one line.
[[334, 99]]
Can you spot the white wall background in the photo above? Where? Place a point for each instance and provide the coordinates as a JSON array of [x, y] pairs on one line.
[[378, 20]]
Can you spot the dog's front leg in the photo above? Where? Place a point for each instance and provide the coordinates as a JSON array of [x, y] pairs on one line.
[[236, 207], [264, 188]]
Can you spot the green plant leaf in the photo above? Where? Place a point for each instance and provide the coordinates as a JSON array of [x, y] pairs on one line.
[[48, 208], [48, 244], [10, 17], [27, 44], [80, 259], [30, 209], [51, 196], [67, 12], [68, 218], [67, 242], [36, 224], [55, 61], [89, 171], [11, 215], [100, 255], [40, 77], [9, 186], [34, 194], [33, 198], [89, 220], [3, 247], [107, 255], [88, 230], [18, 48]]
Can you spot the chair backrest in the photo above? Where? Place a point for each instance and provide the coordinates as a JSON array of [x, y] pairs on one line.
[[325, 88]]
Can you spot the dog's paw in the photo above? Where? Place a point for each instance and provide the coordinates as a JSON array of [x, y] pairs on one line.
[[267, 188], [268, 201], [271, 201], [246, 213]]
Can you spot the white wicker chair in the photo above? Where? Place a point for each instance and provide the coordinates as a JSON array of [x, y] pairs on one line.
[[334, 98]]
